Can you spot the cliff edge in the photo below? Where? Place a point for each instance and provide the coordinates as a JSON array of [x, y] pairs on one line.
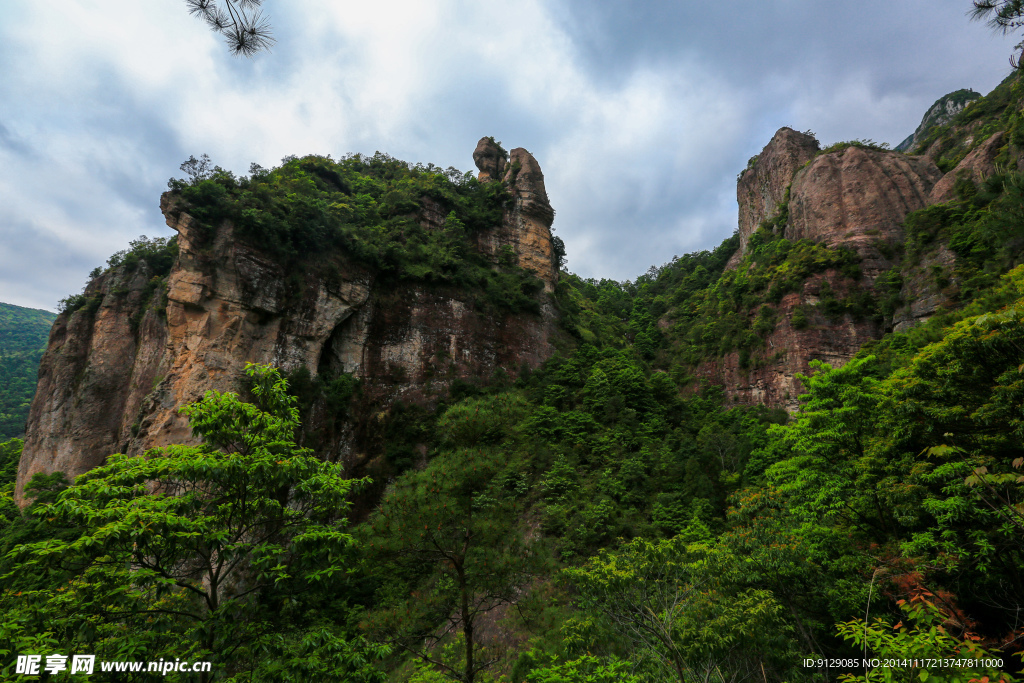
[[117, 368]]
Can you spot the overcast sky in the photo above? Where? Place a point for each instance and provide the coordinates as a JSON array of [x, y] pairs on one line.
[[640, 113]]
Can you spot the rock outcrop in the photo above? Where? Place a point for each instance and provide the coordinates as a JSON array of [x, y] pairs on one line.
[[115, 372], [489, 158], [939, 114], [761, 188], [526, 225], [857, 197], [790, 350], [976, 166]]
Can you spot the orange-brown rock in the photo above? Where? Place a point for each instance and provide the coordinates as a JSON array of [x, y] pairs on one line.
[[489, 158], [856, 197], [761, 188], [526, 223], [99, 365], [976, 166], [114, 375]]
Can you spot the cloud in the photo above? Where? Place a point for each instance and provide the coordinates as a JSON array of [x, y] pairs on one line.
[[639, 113]]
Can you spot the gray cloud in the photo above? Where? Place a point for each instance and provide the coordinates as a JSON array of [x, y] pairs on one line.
[[641, 114]]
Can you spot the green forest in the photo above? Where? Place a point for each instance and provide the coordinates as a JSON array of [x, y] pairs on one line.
[[23, 334], [604, 518]]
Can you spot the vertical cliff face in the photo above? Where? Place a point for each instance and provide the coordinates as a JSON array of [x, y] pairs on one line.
[[789, 349], [526, 225], [100, 363], [854, 197], [761, 188], [857, 198], [116, 371]]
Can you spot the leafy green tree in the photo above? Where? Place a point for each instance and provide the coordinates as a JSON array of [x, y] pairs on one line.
[[674, 603], [585, 669], [925, 634], [187, 548], [821, 460], [450, 532]]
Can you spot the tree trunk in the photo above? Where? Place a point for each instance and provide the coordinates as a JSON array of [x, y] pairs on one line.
[[467, 628]]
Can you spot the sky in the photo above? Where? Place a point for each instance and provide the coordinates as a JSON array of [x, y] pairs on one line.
[[640, 114]]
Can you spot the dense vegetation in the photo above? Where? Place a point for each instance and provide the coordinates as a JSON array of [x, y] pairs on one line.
[[23, 335], [602, 518], [368, 208], [642, 535]]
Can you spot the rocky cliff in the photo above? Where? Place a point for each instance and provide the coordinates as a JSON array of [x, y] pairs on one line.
[[526, 228], [764, 185], [852, 196], [116, 370], [857, 197]]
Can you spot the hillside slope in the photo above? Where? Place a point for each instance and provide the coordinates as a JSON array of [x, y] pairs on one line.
[[23, 335], [805, 444]]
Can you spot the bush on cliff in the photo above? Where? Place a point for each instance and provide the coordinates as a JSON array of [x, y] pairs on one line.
[[369, 209]]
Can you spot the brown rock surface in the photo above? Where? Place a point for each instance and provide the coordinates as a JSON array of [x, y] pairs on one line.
[[97, 369], [856, 197], [490, 159], [772, 379], [526, 224], [762, 187], [112, 379], [976, 166]]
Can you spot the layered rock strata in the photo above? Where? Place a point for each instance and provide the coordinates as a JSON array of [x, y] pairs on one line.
[[115, 372], [762, 186], [526, 224]]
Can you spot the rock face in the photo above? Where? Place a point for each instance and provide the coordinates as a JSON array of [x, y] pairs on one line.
[[115, 373], [855, 197], [761, 188], [790, 350], [99, 365], [526, 225], [976, 166], [858, 197], [489, 158]]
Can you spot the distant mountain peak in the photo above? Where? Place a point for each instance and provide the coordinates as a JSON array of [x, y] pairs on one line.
[[940, 113]]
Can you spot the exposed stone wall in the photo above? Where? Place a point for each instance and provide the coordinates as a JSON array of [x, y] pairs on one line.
[[526, 224], [761, 188], [789, 351], [858, 197], [112, 380]]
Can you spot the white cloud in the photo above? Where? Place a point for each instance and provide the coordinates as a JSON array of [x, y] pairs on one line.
[[640, 143]]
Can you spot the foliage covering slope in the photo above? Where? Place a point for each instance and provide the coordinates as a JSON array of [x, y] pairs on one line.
[[23, 335]]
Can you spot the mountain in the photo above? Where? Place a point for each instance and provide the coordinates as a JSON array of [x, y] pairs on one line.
[[365, 271], [800, 448], [407, 279], [23, 335], [939, 114]]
